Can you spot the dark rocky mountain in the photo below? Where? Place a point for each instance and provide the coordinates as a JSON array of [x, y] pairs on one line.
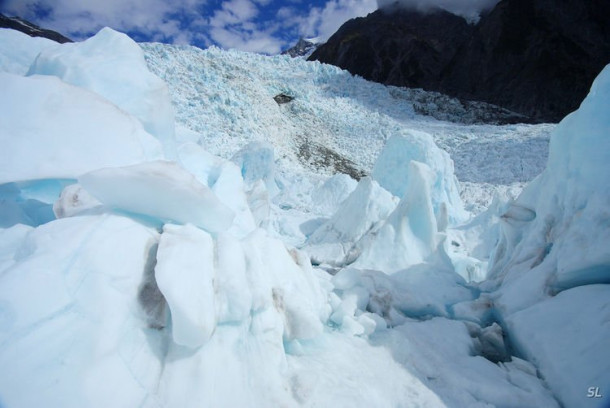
[[534, 57], [303, 48], [31, 29]]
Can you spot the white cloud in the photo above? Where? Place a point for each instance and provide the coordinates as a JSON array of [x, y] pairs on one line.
[[254, 41], [234, 25], [234, 12], [469, 9], [322, 22], [242, 24], [80, 19]]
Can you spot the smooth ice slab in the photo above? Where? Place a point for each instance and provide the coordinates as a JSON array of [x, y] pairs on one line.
[[49, 129], [160, 189], [185, 275]]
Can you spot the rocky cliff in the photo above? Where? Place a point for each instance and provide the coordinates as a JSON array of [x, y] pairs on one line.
[[534, 57]]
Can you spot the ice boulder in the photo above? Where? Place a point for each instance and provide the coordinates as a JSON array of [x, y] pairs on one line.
[[410, 234], [112, 65], [159, 189], [74, 199], [334, 242], [259, 203], [49, 129], [19, 50], [420, 293], [392, 172]]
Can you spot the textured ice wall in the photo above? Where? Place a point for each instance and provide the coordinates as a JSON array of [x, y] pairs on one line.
[[553, 261]]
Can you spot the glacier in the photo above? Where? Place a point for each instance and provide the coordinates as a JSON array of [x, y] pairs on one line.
[[171, 236]]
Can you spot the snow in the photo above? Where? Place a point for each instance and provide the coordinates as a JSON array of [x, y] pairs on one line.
[[465, 380], [159, 189], [254, 270]]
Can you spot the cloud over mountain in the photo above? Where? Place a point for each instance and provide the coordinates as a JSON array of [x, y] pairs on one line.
[[469, 9]]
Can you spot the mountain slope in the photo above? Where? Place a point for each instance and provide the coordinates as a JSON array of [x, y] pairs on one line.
[[31, 29], [537, 58]]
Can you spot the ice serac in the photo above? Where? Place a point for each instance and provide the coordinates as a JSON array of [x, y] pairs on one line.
[[256, 161], [410, 233], [185, 275], [334, 242], [553, 258], [112, 65], [70, 324], [224, 179], [262, 299], [392, 172], [159, 189], [558, 226], [49, 129], [328, 197]]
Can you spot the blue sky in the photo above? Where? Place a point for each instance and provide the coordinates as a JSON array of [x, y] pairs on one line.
[[265, 26]]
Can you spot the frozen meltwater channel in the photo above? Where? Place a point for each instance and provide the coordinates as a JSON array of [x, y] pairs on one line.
[[190, 245]]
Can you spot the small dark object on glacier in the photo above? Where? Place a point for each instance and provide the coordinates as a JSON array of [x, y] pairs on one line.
[[282, 98]]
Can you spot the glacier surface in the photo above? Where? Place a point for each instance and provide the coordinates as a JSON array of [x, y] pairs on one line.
[[171, 236]]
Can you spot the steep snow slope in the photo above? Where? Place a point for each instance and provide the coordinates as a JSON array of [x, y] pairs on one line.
[[162, 284]]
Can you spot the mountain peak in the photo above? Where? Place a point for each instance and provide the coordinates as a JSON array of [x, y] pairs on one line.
[[303, 48]]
